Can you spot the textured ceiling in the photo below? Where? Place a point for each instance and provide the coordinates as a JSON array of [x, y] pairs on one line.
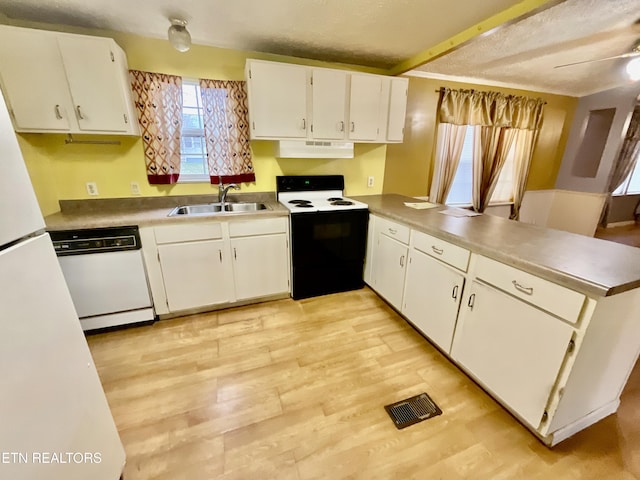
[[524, 53], [384, 33], [375, 33]]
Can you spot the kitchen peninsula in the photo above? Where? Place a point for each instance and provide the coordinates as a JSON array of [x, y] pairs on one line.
[[545, 321]]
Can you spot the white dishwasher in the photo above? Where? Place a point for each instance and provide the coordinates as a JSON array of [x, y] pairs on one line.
[[105, 273]]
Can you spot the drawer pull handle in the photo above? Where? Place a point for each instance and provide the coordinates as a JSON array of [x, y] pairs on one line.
[[393, 231], [353, 126], [520, 288], [402, 261], [220, 253], [58, 114], [437, 250], [235, 256], [80, 116], [472, 301], [304, 124], [454, 294], [341, 126]]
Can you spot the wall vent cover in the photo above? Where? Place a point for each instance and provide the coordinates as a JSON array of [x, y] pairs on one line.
[[412, 410]]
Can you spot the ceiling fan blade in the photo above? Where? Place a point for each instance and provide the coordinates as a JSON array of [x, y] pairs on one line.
[[624, 55]]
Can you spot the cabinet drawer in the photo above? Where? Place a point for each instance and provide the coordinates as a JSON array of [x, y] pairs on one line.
[[547, 295], [258, 227], [454, 255], [187, 233], [394, 230]]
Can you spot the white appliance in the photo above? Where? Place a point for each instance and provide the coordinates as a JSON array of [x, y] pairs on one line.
[[55, 422], [105, 274]]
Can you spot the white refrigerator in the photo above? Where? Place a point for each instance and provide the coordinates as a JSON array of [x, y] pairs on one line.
[[55, 422]]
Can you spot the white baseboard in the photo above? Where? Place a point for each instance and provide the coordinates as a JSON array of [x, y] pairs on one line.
[[595, 416], [621, 224]]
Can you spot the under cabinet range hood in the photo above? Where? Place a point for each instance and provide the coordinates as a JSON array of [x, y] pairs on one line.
[[313, 149]]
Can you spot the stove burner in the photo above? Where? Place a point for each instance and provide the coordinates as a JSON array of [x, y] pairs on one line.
[[334, 199], [300, 202], [303, 205], [342, 202]]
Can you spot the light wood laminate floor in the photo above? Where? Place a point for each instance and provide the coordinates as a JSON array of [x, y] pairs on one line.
[[296, 389]]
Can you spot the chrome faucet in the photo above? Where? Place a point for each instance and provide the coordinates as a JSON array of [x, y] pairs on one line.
[[222, 193]]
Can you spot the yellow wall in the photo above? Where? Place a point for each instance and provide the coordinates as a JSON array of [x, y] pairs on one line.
[[408, 165], [60, 171]]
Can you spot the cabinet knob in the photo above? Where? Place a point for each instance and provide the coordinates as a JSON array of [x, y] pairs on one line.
[[58, 114]]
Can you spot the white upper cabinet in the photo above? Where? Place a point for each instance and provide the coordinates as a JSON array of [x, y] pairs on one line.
[[329, 97], [57, 82], [91, 66], [277, 100], [364, 107], [293, 101], [397, 109], [34, 81]]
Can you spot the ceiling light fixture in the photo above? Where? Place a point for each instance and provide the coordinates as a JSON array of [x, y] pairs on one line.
[[179, 36], [633, 69]]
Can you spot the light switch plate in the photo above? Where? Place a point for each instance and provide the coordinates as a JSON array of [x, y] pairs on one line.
[[370, 181], [135, 188]]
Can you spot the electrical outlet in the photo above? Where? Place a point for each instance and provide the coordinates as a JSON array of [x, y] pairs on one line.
[[92, 188], [135, 188], [370, 182]]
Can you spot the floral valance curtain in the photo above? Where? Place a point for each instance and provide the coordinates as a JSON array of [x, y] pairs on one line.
[[158, 101], [226, 131]]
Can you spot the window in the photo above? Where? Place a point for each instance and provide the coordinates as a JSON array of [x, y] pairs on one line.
[[461, 189], [631, 184], [193, 154]]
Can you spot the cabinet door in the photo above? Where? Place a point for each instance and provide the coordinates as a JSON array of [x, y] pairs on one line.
[[432, 297], [277, 100], [512, 348], [397, 109], [389, 269], [364, 107], [260, 265], [34, 80], [329, 104], [195, 274], [94, 81]]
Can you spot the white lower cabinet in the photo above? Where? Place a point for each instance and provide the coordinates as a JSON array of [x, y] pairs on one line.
[[390, 268], [511, 347], [195, 274], [432, 298], [260, 265], [196, 265]]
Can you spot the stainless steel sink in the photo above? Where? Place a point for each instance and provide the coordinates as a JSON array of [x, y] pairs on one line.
[[244, 207], [216, 208]]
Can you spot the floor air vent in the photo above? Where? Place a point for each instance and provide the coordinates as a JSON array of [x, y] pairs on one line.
[[412, 410]]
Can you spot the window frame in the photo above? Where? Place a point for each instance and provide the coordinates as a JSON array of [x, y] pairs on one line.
[[470, 136], [623, 189], [193, 133]]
